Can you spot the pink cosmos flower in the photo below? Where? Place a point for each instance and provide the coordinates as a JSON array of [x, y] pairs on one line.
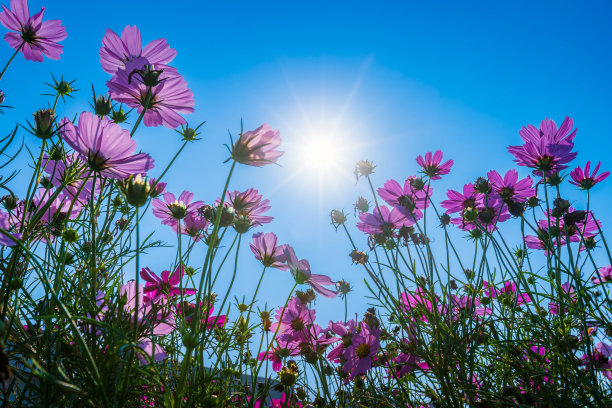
[[167, 94], [346, 331], [105, 147], [285, 402], [258, 147], [166, 285], [301, 272], [249, 205], [458, 202], [432, 167], [117, 51], [410, 199], [581, 178], [170, 210], [361, 352], [265, 248], [383, 222], [194, 224], [33, 36], [509, 187], [274, 356], [546, 150], [509, 289], [604, 274]]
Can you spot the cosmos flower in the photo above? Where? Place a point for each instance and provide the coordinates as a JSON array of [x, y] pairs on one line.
[[581, 178], [71, 169], [383, 222], [117, 51], [546, 150], [258, 147], [509, 187], [432, 167], [194, 224], [170, 210], [33, 36], [301, 272], [359, 355], [6, 225], [409, 199], [249, 205], [166, 285], [163, 91], [105, 147], [604, 274], [266, 250]]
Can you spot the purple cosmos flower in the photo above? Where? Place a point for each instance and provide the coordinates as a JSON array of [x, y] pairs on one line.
[[258, 147], [301, 272], [546, 150], [249, 205], [432, 167], [117, 51], [166, 285], [584, 180], [410, 199], [265, 248], [187, 310], [170, 210], [165, 97], [604, 274], [32, 36], [458, 202], [361, 352], [509, 187], [382, 222], [105, 147]]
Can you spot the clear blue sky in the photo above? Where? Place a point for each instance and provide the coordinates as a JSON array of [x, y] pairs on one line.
[[389, 80]]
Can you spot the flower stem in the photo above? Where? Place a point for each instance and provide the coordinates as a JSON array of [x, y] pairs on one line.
[[11, 60], [145, 107]]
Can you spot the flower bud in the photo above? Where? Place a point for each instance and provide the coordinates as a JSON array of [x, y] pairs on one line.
[[560, 206], [570, 219], [287, 376], [1, 97], [337, 218], [118, 116], [533, 202], [515, 208], [241, 224], [9, 201], [445, 219], [70, 235], [482, 185], [363, 168], [43, 123], [137, 191], [343, 287], [359, 257], [227, 216], [189, 134], [103, 105], [362, 205]]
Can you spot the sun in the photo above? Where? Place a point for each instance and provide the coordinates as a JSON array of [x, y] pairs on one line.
[[320, 155]]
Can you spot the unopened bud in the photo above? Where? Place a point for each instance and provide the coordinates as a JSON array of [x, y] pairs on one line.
[[43, 123], [137, 191]]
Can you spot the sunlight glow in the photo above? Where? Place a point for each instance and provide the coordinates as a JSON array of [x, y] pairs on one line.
[[320, 155]]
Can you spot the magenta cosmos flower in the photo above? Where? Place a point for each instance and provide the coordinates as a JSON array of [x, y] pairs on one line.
[[409, 199], [33, 36], [432, 167], [171, 209], [301, 272], [258, 147], [105, 146], [510, 187], [117, 51], [166, 95], [361, 352], [168, 284], [266, 250], [548, 149], [581, 178]]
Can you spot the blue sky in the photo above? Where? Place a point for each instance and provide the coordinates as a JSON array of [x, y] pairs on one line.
[[386, 80]]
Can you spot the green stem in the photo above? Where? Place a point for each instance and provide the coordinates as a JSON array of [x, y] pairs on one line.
[[145, 107], [11, 59]]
